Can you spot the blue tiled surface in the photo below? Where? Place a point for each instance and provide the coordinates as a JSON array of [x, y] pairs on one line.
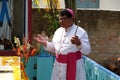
[[95, 71]]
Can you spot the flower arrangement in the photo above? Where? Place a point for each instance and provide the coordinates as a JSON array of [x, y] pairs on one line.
[[24, 50]]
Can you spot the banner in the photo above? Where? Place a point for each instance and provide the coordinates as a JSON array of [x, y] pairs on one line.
[[58, 4], [10, 68]]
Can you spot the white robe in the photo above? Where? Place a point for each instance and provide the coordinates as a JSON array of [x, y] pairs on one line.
[[63, 44]]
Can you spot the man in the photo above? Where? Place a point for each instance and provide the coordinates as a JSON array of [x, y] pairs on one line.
[[69, 43]]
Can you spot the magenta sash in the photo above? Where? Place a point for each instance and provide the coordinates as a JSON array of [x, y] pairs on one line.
[[70, 59]]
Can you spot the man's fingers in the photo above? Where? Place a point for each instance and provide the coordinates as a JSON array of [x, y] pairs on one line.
[[72, 41], [75, 40]]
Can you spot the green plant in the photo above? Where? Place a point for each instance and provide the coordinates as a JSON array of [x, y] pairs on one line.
[[51, 13]]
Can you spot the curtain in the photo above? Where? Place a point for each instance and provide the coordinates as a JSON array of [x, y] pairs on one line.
[[6, 18]]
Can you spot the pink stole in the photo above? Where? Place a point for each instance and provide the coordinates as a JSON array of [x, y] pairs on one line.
[[70, 59]]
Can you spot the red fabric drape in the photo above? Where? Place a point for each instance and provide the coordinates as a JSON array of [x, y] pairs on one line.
[[29, 19]]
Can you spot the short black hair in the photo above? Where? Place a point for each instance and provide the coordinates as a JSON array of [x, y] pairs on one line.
[[65, 12]]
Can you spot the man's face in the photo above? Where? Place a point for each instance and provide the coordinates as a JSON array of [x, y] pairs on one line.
[[65, 22]]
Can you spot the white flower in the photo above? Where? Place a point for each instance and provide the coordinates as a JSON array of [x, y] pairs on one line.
[[17, 41]]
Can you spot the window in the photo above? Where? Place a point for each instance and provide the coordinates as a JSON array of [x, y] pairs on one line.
[[87, 3]]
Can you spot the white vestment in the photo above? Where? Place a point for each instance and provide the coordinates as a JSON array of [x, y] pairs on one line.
[[61, 42]]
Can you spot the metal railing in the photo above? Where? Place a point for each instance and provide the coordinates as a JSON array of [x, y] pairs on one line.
[[95, 71]]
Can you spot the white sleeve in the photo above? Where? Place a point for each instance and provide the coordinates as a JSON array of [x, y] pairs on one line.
[[50, 47], [85, 45]]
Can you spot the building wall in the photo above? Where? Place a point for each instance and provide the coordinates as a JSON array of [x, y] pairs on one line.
[[109, 5], [103, 28]]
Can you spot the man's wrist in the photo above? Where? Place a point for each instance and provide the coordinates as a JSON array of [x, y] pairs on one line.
[[78, 46]]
